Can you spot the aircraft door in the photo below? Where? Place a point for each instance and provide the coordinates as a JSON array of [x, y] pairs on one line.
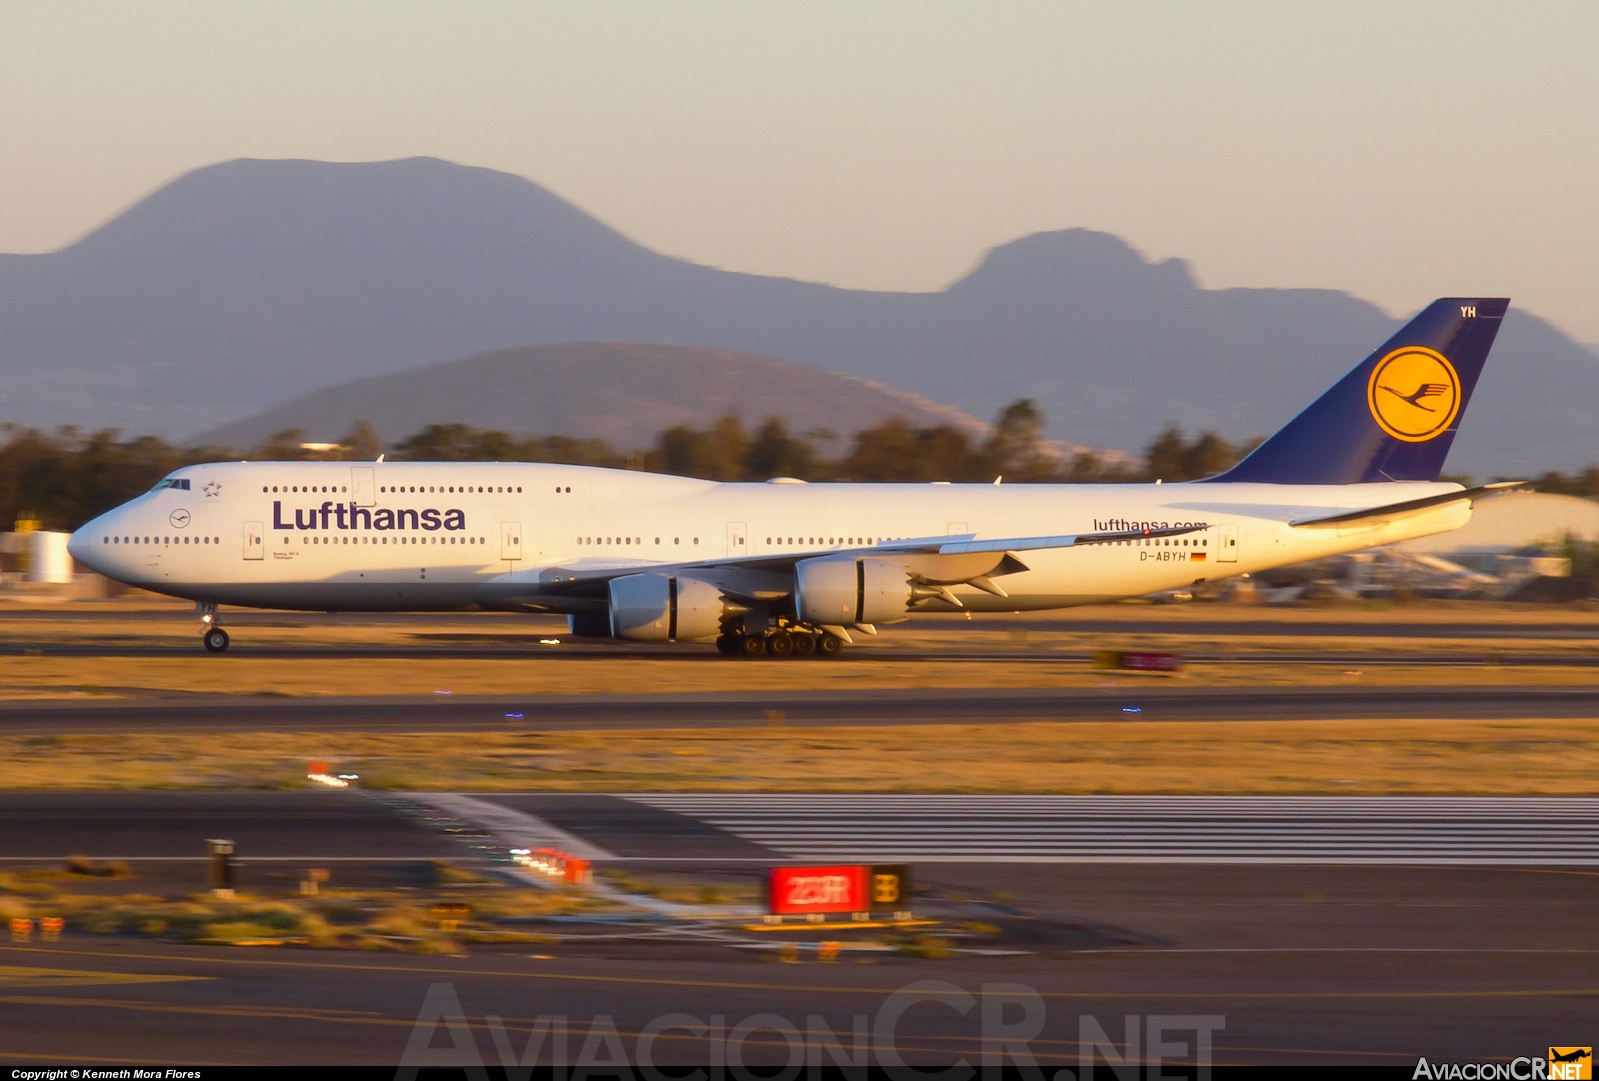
[[1228, 541], [254, 541], [737, 535], [510, 540], [363, 492]]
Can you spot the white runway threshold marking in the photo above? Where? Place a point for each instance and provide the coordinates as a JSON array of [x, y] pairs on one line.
[[513, 828], [1419, 830]]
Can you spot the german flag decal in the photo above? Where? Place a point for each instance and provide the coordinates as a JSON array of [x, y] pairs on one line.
[[1196, 557]]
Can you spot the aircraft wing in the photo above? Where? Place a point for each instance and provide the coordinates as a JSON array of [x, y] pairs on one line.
[[936, 561], [967, 546], [1391, 511]]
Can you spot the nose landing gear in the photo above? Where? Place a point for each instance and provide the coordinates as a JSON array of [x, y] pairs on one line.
[[212, 636]]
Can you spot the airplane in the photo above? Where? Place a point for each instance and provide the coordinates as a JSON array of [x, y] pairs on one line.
[[791, 569]]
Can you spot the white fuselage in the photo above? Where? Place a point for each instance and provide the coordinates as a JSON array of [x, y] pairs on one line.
[[438, 535]]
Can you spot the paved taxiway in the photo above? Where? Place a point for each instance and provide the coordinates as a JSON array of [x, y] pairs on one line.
[[169, 825], [1307, 963], [529, 627], [1132, 698], [488, 647], [1304, 964]]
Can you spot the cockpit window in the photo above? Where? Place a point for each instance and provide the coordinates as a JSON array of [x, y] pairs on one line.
[[172, 482]]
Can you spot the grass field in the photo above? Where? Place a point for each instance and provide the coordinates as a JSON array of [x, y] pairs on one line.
[[359, 919], [1552, 757], [147, 649], [51, 678]]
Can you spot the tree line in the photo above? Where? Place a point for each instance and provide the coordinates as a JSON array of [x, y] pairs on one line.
[[66, 477]]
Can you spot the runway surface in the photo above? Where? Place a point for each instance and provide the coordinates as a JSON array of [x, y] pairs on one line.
[[877, 654], [763, 827], [1299, 963], [1131, 698], [530, 627], [175, 825], [827, 827]]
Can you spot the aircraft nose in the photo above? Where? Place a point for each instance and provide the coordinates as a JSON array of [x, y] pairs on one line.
[[84, 545]]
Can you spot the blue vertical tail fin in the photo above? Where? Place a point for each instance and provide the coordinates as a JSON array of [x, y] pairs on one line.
[[1393, 417]]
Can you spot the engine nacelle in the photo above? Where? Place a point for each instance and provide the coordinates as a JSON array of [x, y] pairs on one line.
[[830, 591], [665, 608]]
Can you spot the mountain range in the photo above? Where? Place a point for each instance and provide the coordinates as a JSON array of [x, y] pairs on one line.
[[622, 392], [246, 284]]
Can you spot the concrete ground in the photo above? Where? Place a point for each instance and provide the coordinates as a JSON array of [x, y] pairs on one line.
[[1301, 964]]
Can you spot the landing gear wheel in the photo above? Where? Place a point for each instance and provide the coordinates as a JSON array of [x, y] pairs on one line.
[[215, 639], [751, 645], [829, 646], [780, 644], [727, 645], [804, 644]]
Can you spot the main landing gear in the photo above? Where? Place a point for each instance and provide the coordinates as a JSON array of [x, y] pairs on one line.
[[784, 641], [214, 638]]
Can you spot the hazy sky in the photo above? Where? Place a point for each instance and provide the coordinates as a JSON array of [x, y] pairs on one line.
[[1398, 150]]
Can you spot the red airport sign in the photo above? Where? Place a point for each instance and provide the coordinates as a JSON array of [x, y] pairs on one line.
[[1151, 662], [1138, 662], [799, 891]]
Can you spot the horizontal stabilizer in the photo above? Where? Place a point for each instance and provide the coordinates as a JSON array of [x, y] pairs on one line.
[[1391, 511]]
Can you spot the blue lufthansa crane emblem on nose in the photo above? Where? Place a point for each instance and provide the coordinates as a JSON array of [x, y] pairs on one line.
[[179, 518]]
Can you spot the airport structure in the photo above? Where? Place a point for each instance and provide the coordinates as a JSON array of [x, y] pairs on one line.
[[1531, 525]]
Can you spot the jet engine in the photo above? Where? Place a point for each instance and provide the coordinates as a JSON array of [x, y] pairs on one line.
[[666, 608], [830, 591]]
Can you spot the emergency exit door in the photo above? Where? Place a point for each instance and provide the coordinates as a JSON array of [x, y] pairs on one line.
[[363, 487], [510, 540], [737, 537], [1228, 552], [254, 541]]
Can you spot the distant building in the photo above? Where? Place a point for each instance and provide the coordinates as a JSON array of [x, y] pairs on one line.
[[1508, 525], [1511, 540]]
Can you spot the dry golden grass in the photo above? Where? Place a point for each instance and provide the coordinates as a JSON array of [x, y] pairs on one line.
[[341, 919], [1556, 757], [117, 677]]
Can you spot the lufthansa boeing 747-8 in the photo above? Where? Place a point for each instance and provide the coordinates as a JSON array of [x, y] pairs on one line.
[[787, 568]]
